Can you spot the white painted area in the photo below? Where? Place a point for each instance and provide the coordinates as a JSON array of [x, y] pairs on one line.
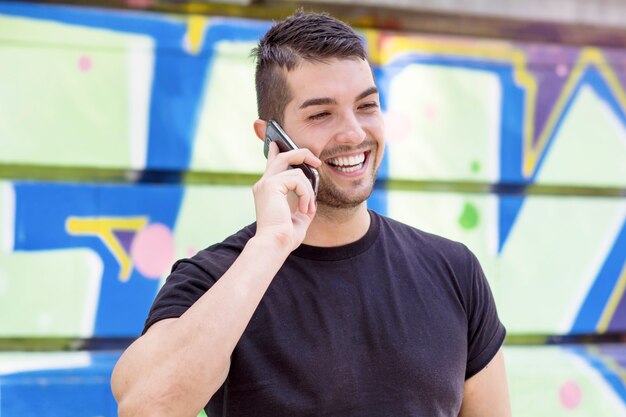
[[96, 269], [7, 217], [592, 271], [140, 61], [11, 363]]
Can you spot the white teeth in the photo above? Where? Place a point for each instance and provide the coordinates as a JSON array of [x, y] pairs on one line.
[[349, 169], [347, 161]]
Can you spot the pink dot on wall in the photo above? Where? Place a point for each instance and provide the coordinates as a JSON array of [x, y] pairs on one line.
[[152, 250], [561, 70], [84, 63], [570, 395]]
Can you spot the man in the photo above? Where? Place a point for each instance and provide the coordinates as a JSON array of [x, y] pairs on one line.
[[321, 307]]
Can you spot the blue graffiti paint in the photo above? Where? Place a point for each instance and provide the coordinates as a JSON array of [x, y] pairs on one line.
[[593, 306], [41, 212], [72, 391], [600, 360]]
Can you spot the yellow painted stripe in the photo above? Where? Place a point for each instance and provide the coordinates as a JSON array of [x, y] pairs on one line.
[[102, 227], [611, 306], [372, 40], [610, 363], [196, 28]]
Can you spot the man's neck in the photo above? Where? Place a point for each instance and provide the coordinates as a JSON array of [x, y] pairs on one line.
[[337, 227]]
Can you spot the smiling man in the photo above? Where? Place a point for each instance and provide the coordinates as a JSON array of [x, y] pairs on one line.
[[322, 307]]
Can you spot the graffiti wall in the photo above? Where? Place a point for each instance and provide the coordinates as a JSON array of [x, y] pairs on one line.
[[126, 142]]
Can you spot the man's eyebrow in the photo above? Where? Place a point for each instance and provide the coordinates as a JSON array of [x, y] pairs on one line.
[[368, 92], [318, 102], [322, 101]]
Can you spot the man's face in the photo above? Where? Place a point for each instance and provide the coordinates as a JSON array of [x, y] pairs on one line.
[[335, 113]]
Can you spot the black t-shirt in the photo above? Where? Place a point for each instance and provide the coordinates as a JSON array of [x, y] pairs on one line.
[[390, 325]]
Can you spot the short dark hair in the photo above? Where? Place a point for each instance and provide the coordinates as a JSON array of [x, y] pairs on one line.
[[312, 37]]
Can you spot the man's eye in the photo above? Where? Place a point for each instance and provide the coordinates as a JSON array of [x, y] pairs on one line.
[[318, 116], [368, 106]]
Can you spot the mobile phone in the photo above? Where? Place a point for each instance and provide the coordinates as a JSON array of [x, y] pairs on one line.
[[275, 133]]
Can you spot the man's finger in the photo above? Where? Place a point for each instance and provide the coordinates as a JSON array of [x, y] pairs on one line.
[[282, 160], [271, 154]]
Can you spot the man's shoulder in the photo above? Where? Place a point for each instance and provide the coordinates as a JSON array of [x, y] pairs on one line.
[[406, 236], [389, 224]]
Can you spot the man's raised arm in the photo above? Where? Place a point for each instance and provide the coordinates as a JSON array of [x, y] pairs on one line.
[[178, 364]]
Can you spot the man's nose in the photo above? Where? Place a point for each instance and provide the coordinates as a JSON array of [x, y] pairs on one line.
[[350, 130]]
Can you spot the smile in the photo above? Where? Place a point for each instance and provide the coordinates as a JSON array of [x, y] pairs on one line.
[[348, 164]]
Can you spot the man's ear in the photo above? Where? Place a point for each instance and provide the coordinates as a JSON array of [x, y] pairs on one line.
[[259, 128]]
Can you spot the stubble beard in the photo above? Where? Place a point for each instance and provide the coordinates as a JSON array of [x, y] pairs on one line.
[[333, 197]]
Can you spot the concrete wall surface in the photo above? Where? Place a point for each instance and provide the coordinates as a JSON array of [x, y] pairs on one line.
[[610, 13]]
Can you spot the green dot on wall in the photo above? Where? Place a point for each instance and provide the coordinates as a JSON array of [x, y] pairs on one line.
[[475, 167], [469, 217]]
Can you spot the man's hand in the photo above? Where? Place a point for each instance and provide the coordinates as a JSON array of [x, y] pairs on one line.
[[275, 218]]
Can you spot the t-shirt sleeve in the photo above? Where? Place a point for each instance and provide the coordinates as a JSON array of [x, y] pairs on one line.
[[188, 281], [485, 331]]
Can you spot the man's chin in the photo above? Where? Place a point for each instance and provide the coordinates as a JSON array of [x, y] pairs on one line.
[[346, 195], [342, 200]]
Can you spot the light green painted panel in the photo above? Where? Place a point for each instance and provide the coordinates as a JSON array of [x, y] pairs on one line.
[[225, 140], [51, 293], [552, 381], [589, 148], [552, 256], [443, 123], [209, 214], [79, 99]]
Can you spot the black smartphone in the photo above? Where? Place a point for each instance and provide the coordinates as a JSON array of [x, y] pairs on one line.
[[275, 133]]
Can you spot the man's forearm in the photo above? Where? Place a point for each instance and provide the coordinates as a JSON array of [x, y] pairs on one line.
[[177, 366]]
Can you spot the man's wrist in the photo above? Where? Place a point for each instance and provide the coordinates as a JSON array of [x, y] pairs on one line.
[[271, 245]]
